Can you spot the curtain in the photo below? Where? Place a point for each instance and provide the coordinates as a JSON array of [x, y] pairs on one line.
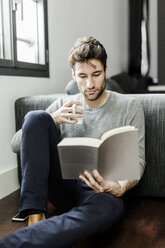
[[138, 37]]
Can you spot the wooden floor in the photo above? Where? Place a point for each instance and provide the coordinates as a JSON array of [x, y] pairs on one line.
[[142, 226]]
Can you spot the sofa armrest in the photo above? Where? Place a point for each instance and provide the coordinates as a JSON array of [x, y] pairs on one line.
[[25, 104]]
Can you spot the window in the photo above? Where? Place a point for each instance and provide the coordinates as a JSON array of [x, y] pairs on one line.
[[23, 38]]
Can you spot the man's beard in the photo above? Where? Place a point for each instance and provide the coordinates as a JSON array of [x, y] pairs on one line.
[[99, 93]]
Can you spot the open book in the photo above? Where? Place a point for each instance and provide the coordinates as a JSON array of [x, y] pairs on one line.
[[115, 156]]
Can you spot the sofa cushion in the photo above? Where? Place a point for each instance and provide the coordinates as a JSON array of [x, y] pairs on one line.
[[132, 84], [72, 89], [153, 180]]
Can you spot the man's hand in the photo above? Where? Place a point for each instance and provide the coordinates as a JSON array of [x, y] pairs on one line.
[[98, 184], [65, 113]]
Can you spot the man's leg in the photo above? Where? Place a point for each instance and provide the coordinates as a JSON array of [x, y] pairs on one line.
[[41, 172], [94, 213]]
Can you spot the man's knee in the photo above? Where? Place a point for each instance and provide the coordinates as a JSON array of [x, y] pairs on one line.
[[108, 209], [36, 118]]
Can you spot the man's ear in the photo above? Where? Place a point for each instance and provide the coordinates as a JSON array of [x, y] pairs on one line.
[[73, 74], [106, 71]]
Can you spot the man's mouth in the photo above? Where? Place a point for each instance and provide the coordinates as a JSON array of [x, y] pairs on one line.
[[91, 92]]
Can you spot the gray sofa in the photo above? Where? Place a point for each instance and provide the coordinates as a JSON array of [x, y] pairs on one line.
[[153, 180]]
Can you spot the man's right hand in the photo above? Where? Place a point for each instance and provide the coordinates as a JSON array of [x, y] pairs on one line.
[[65, 113]]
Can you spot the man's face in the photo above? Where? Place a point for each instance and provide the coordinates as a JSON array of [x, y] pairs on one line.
[[90, 77]]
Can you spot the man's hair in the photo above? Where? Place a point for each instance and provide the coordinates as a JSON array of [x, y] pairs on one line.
[[85, 49]]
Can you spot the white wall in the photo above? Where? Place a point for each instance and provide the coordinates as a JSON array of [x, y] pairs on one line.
[[153, 37], [106, 20], [67, 20]]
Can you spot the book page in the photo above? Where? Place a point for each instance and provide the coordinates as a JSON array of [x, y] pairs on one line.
[[119, 157], [74, 160], [116, 131], [80, 141]]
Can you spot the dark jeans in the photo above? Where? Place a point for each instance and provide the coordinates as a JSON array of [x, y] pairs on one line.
[[84, 211]]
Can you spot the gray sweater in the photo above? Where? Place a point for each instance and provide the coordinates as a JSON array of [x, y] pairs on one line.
[[119, 110]]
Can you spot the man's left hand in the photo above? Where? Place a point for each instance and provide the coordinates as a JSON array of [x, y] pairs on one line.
[[95, 181]]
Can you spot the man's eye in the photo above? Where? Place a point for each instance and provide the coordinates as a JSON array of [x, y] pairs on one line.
[[96, 75], [82, 76]]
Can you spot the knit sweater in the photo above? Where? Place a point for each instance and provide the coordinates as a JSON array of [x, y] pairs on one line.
[[119, 110]]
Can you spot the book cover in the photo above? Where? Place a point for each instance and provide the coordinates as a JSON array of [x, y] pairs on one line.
[[115, 155]]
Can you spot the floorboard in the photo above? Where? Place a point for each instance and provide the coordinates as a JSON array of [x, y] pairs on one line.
[[142, 226]]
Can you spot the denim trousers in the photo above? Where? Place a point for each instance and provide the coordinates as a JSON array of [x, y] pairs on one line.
[[83, 212]]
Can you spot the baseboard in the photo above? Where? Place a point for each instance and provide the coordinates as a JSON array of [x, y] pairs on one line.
[[8, 181]]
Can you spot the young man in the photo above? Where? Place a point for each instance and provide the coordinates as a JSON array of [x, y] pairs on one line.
[[90, 205]]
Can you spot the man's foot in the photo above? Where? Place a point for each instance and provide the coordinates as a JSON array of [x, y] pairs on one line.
[[34, 218]]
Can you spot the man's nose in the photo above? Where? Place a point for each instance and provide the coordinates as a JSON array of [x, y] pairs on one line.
[[90, 83]]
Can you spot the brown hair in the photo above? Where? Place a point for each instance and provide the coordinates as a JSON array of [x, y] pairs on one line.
[[85, 49]]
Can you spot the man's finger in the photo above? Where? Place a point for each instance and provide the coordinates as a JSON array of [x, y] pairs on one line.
[[85, 180], [92, 181], [70, 103], [69, 110], [68, 121], [66, 110], [70, 115], [98, 177]]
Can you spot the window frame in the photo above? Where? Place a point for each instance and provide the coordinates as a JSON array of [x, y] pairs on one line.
[[14, 67]]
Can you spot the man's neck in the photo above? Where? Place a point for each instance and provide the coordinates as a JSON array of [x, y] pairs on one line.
[[98, 102]]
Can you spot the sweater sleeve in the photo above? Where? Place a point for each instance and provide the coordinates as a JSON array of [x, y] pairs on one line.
[[136, 119], [55, 105], [16, 141]]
